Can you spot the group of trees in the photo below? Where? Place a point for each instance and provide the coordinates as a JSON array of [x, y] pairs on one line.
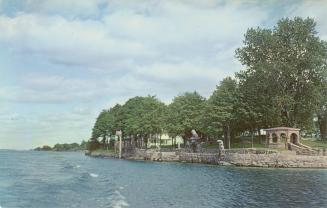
[[284, 83], [286, 74], [64, 147]]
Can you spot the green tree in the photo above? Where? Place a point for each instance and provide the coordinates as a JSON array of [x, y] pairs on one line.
[[222, 109], [286, 67], [102, 127], [142, 117], [116, 119], [322, 114], [184, 114]]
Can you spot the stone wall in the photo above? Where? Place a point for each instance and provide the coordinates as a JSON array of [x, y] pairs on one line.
[[101, 154], [285, 159], [207, 158], [154, 155], [241, 157]]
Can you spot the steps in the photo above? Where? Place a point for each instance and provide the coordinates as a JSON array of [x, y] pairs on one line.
[[302, 149]]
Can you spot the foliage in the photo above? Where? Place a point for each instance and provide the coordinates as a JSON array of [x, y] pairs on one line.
[[43, 148], [139, 117], [286, 67], [284, 83], [185, 114], [64, 147], [221, 111]]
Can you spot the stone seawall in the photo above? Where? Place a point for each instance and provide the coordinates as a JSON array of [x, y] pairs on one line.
[[141, 154], [279, 160], [207, 158], [253, 158], [101, 154]]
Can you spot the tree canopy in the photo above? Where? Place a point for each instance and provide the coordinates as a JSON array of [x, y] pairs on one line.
[[286, 70], [185, 114], [284, 82]]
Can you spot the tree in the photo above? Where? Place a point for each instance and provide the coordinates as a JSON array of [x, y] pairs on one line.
[[286, 67], [221, 108], [143, 117], [154, 116], [102, 127], [210, 128], [184, 114], [322, 114], [257, 101], [117, 119]]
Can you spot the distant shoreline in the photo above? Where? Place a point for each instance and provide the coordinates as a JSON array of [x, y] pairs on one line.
[[66, 147], [58, 150]]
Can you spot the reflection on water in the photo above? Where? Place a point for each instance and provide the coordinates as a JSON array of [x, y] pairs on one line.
[[52, 179]]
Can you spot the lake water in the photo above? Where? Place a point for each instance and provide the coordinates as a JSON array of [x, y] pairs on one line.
[[49, 179]]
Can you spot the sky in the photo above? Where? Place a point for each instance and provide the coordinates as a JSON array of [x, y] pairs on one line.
[[63, 61]]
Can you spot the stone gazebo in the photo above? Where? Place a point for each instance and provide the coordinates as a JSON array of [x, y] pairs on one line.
[[279, 137]]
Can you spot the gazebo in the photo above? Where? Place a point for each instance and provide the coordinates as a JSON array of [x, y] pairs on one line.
[[279, 137]]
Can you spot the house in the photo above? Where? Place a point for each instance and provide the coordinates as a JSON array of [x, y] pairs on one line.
[[165, 139]]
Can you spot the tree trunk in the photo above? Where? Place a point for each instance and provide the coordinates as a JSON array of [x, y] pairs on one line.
[[322, 120], [227, 136], [104, 142], [184, 141], [146, 142]]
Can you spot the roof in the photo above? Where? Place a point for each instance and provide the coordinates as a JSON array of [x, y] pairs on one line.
[[282, 128]]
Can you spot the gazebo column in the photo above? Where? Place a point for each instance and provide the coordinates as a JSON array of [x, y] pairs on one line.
[[269, 138], [278, 137], [297, 137]]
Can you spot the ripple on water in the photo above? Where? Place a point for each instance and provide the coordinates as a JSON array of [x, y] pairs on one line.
[[104, 183], [93, 175], [118, 200]]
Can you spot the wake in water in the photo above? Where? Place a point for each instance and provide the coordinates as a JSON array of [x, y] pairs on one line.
[[118, 200], [93, 175]]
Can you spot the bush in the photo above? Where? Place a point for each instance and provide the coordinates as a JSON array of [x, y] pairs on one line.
[[93, 145]]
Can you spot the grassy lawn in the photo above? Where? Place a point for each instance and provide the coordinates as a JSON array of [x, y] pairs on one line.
[[210, 146], [240, 145], [236, 145], [314, 143], [162, 146]]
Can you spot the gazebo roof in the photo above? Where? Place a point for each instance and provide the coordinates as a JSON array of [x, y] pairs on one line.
[[282, 128]]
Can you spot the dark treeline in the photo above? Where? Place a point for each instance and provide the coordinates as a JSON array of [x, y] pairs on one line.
[[64, 147], [284, 83]]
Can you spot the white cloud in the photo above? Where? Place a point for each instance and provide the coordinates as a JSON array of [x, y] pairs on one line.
[[166, 30], [68, 8], [145, 43], [61, 41], [41, 88]]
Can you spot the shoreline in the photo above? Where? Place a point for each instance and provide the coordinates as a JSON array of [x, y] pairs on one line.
[[285, 159]]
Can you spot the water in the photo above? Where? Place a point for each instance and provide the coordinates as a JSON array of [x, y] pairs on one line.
[[50, 179]]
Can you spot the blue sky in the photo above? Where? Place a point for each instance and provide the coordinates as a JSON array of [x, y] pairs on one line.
[[63, 61]]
